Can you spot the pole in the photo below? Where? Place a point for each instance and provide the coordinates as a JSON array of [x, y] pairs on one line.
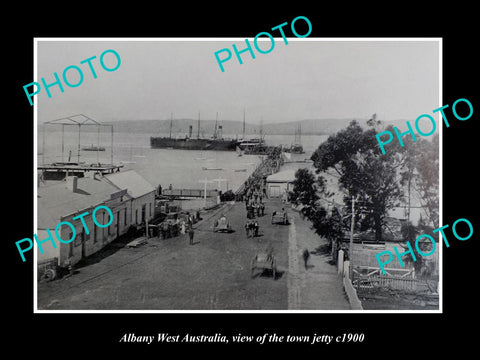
[[409, 184], [79, 131], [204, 190], [351, 232], [198, 126], [243, 137], [111, 156], [171, 120], [205, 194], [43, 143], [98, 143], [63, 145]]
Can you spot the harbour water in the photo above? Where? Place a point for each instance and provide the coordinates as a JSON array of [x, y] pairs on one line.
[[183, 169]]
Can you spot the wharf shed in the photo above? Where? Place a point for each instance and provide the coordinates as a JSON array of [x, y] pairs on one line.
[[280, 183]]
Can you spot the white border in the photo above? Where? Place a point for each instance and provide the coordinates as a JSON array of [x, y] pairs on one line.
[[338, 39]]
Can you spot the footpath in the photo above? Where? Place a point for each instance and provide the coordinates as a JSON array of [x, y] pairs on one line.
[[318, 287]]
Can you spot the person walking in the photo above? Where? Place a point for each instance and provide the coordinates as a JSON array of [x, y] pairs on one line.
[[306, 256], [190, 234]]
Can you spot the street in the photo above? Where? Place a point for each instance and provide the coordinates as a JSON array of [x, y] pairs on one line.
[[213, 274]]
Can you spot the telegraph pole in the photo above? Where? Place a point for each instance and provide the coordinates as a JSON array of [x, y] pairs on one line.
[[352, 224]]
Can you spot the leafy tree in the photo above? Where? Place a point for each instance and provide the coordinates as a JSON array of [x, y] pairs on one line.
[[364, 173], [305, 191], [420, 165], [427, 166], [329, 226]]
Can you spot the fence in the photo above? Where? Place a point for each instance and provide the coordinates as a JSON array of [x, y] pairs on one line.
[[366, 278], [363, 255], [189, 193], [344, 271]]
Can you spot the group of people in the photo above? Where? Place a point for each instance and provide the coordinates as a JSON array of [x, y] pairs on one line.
[[255, 209], [251, 226]]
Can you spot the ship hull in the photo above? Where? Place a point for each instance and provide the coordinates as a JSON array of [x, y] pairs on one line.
[[193, 144]]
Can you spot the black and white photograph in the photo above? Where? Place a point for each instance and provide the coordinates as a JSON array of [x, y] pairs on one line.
[[259, 188]]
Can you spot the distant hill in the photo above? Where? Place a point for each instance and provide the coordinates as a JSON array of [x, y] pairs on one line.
[[181, 126], [232, 128]]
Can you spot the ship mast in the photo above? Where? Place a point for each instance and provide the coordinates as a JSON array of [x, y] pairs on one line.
[[243, 124], [299, 133], [171, 121], [215, 132], [261, 128], [198, 126]]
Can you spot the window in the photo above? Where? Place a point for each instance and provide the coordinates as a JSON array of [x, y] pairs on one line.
[[77, 241]]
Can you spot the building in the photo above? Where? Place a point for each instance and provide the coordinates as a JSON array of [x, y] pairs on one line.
[[129, 197], [141, 192], [280, 183]]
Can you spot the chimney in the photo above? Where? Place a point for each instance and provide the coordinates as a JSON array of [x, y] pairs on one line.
[[72, 183]]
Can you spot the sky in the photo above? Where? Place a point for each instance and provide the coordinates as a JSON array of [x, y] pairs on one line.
[[309, 78]]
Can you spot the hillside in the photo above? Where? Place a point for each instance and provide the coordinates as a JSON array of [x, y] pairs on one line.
[[232, 128], [181, 126]]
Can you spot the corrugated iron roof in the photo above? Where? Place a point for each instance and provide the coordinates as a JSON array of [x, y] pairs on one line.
[[135, 184], [282, 176], [57, 200]]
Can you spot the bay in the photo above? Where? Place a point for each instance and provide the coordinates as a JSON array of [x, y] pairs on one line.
[[183, 169]]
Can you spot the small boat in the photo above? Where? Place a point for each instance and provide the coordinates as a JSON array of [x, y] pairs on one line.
[[211, 168], [240, 170], [93, 148]]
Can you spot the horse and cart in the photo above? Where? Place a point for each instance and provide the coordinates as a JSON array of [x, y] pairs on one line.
[[264, 260], [222, 225], [280, 217]]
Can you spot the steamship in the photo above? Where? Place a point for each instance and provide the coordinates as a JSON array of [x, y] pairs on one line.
[[217, 142]]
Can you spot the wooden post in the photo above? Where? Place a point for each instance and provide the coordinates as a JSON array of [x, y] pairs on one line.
[[43, 144], [340, 262], [79, 132], [350, 249], [111, 156]]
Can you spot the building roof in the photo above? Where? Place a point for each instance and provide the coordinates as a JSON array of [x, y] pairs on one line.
[[58, 199], [135, 184], [282, 176]]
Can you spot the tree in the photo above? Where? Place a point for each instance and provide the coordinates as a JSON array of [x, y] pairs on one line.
[[427, 184], [420, 165], [304, 191], [364, 173], [329, 226]]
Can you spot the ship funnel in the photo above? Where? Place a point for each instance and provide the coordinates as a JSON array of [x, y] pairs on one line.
[[219, 132], [190, 131]]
